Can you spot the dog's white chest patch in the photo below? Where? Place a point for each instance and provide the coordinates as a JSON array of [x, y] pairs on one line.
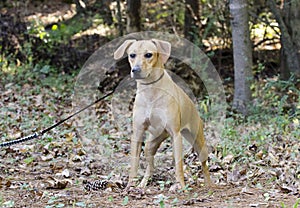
[[155, 120], [151, 112]]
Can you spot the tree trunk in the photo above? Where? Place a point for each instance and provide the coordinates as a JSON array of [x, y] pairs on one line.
[[133, 16], [289, 24], [119, 17], [242, 55], [191, 21]]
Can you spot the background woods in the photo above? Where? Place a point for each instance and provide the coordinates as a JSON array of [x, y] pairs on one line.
[[255, 47]]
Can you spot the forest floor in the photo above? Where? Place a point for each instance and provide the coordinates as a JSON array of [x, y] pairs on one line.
[[50, 172], [256, 163]]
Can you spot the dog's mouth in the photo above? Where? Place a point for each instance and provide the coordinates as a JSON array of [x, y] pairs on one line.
[[138, 76]]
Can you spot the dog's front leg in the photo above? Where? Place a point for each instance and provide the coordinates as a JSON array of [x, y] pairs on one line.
[[136, 147], [151, 146]]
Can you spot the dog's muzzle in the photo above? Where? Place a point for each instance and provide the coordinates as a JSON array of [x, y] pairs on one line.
[[136, 69], [136, 72]]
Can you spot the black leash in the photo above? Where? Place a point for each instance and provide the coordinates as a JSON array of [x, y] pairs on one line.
[[40, 133]]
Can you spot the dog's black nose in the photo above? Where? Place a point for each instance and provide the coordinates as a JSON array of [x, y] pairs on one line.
[[136, 69]]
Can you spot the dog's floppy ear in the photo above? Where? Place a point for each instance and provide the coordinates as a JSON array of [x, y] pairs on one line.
[[164, 49], [121, 50]]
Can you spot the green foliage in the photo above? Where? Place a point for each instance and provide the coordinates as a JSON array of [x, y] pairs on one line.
[[8, 204], [175, 201], [29, 160], [161, 200], [162, 184], [10, 67], [80, 204], [266, 29], [111, 198], [22, 73], [125, 200], [61, 33], [170, 11], [187, 188], [24, 100], [37, 29], [39, 40], [215, 20], [296, 205], [275, 114]]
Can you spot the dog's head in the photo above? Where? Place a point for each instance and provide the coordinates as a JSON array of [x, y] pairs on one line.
[[146, 57]]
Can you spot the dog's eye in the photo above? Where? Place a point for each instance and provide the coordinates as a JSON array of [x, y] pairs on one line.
[[148, 55], [132, 55]]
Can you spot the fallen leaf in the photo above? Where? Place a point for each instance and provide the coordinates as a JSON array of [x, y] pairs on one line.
[[77, 158], [54, 183], [81, 152], [215, 168], [234, 176], [246, 190], [69, 137], [47, 157], [253, 205], [228, 159], [259, 154], [65, 173], [287, 189], [86, 172]]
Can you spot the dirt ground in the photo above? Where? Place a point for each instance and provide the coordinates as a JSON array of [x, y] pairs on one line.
[[40, 187], [53, 172]]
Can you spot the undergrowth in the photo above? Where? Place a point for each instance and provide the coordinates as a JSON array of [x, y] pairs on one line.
[[273, 117], [33, 99]]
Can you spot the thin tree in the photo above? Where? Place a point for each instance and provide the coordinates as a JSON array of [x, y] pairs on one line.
[[133, 16], [119, 18], [289, 23], [191, 21], [242, 55]]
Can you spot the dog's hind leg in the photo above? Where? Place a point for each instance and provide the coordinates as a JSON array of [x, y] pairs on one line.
[[200, 147], [178, 156], [198, 142]]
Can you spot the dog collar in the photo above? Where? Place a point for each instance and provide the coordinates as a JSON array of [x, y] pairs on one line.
[[161, 76]]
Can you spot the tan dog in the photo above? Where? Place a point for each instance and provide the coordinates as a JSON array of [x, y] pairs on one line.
[[162, 108]]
